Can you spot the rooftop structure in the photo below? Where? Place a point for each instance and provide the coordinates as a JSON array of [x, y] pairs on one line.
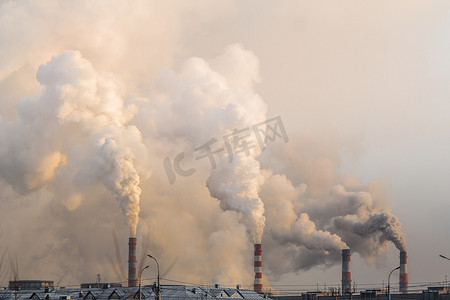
[[30, 284]]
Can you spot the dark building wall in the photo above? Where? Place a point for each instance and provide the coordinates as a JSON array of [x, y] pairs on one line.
[[425, 295], [30, 284]]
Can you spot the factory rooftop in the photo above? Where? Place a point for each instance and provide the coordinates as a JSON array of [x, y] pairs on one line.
[[168, 292]]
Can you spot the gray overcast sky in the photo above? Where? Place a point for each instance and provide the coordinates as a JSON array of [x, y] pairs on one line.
[[376, 75], [368, 79]]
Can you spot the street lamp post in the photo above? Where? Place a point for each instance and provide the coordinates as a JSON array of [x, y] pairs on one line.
[[444, 257], [389, 283], [158, 288], [140, 276]]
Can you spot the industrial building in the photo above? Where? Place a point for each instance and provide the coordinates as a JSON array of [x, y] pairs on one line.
[[186, 292], [44, 290], [30, 284], [347, 293], [432, 293]]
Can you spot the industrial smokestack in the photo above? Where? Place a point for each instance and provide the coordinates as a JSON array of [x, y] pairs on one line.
[[132, 281], [346, 273], [403, 273], [257, 287]]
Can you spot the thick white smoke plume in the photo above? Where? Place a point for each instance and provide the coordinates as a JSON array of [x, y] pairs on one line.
[[237, 186], [204, 105], [91, 103], [78, 116], [120, 176], [80, 132]]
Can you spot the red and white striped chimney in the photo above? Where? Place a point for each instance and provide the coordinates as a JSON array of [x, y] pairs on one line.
[[132, 281], [346, 273], [257, 287], [403, 273]]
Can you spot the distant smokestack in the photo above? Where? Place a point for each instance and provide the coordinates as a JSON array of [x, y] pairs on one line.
[[346, 273], [132, 281], [257, 287], [403, 273]]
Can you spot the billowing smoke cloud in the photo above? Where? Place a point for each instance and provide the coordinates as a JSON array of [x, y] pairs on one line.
[[385, 224], [78, 110], [357, 212], [237, 186], [204, 104], [92, 101], [80, 133], [186, 109], [291, 230], [311, 222], [100, 120], [304, 232], [120, 176]]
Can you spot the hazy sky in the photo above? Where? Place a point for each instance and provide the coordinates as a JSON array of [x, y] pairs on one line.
[[360, 85]]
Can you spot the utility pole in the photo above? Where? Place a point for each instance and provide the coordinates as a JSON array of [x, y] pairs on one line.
[[98, 281]]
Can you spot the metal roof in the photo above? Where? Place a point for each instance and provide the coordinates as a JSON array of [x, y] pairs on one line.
[[168, 292]]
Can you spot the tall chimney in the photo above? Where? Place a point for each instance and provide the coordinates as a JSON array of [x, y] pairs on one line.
[[346, 273], [132, 281], [257, 287], [403, 273]]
